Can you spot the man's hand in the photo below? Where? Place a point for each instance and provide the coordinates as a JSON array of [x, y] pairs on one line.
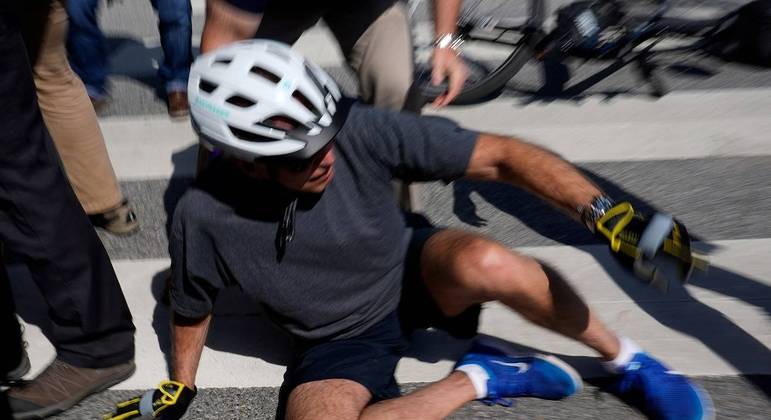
[[446, 63], [168, 402], [645, 244]]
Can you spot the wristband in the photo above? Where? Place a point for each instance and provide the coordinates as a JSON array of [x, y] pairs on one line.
[[449, 40]]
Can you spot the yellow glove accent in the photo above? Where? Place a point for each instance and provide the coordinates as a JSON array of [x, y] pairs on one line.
[[624, 208]]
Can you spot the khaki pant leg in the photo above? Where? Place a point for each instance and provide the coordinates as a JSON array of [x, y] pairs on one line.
[[70, 118], [382, 58]]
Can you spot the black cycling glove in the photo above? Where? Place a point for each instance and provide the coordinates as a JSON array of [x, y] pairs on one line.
[[646, 244], [168, 402]]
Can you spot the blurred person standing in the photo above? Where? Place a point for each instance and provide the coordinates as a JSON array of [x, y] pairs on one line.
[[71, 120], [42, 223], [88, 50], [374, 36]]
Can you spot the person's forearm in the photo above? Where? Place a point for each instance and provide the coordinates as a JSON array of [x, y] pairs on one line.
[[446, 16], [188, 338], [225, 24], [535, 169]]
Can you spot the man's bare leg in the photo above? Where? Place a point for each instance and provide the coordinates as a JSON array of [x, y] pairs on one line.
[[344, 399], [435, 401], [461, 269], [328, 399]]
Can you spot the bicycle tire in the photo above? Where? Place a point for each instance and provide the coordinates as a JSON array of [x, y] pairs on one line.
[[493, 80]]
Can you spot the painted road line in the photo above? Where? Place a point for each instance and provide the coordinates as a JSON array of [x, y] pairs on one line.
[[720, 326], [682, 125]]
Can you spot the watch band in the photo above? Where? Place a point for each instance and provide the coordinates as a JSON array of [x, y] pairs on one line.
[[449, 40], [596, 209]]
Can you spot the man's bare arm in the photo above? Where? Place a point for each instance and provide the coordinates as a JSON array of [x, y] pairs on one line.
[[445, 62], [446, 16], [225, 24], [533, 168], [188, 338]]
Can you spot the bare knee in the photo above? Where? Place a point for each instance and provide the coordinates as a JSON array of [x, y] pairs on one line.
[[338, 399], [491, 270]]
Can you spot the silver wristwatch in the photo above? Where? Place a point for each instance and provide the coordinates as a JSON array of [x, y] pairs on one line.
[[596, 209], [449, 40]]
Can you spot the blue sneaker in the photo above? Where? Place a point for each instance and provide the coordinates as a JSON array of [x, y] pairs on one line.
[[660, 392], [527, 375]]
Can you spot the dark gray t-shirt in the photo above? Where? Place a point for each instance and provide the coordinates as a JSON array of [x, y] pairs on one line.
[[343, 270]]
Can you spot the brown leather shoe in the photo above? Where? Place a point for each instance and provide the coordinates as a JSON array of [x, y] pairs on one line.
[[178, 106], [60, 386]]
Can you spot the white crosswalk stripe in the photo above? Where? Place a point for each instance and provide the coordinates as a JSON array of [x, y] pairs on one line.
[[230, 362], [682, 125]]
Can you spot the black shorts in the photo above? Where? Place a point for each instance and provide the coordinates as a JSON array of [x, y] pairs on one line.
[[370, 358]]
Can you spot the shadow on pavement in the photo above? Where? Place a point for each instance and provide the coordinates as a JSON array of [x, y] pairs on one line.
[[128, 57], [567, 80], [179, 182]]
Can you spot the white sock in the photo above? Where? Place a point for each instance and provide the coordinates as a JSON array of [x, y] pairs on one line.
[[478, 377], [628, 349]]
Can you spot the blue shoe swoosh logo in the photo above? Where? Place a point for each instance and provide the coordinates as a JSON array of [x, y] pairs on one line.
[[521, 367]]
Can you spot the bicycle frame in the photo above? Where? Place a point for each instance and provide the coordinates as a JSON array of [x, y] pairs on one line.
[[625, 43]]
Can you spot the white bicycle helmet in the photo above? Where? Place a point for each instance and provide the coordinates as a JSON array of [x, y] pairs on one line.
[[242, 95]]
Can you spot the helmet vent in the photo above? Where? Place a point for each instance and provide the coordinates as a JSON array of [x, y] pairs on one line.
[[247, 136], [206, 86], [265, 74], [281, 122], [306, 102], [240, 101], [223, 60], [313, 78]]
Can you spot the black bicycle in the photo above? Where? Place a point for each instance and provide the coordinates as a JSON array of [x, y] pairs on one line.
[[501, 36]]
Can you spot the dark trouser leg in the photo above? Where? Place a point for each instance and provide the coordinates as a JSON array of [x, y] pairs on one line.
[[87, 45], [174, 25], [41, 220], [10, 331]]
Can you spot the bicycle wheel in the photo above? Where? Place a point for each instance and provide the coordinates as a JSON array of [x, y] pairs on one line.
[[499, 36]]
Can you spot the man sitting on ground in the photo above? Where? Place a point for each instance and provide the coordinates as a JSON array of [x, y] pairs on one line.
[[292, 211]]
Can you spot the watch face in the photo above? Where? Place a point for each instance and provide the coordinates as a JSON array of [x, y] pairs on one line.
[[596, 209]]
